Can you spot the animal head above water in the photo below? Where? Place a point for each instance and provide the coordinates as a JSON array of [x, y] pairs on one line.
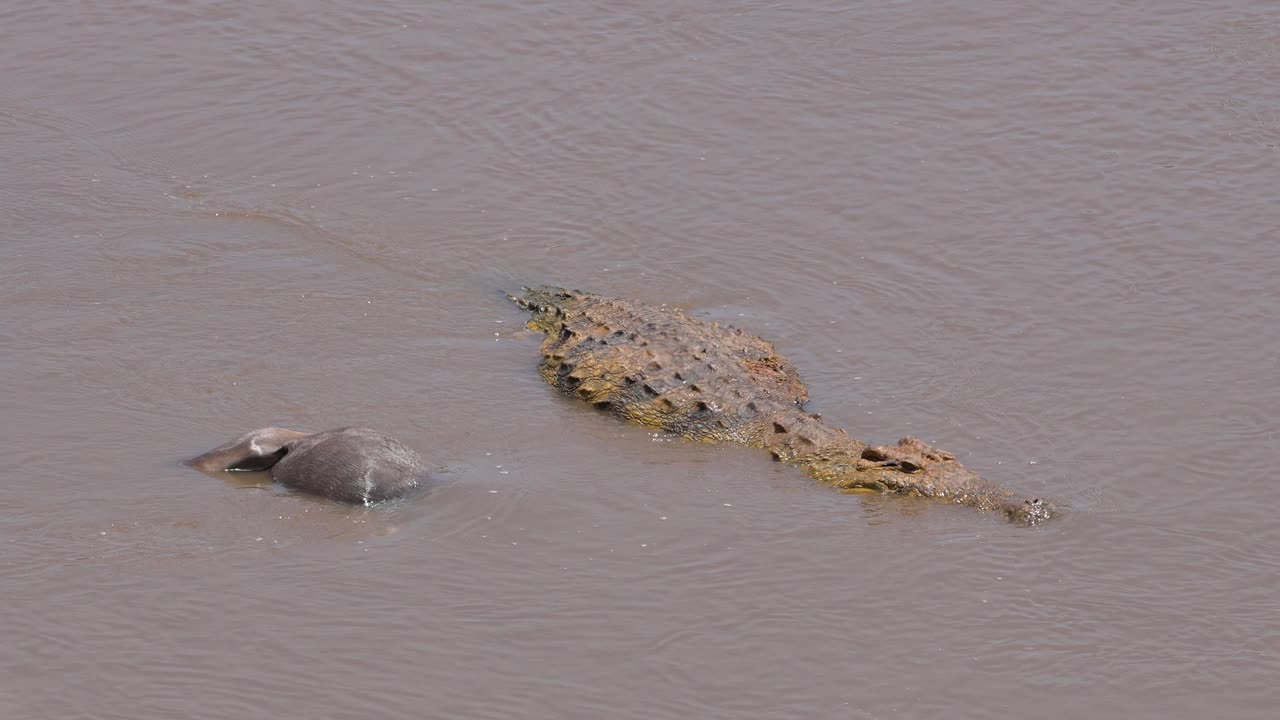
[[350, 465], [256, 450]]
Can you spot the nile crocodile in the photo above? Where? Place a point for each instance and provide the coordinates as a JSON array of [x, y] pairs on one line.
[[656, 366]]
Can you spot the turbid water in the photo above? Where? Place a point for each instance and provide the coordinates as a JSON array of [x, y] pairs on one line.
[[1041, 236]]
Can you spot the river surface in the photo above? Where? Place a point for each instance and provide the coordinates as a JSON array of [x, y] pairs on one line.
[[1043, 236]]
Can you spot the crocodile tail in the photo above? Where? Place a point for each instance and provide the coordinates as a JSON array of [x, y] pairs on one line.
[[542, 298], [546, 305]]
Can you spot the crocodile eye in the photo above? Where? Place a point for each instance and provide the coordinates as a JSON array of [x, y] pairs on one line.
[[873, 454]]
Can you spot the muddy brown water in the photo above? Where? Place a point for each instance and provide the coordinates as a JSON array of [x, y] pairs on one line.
[[1043, 236]]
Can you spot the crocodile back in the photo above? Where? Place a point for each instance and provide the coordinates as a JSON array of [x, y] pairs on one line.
[[655, 365]]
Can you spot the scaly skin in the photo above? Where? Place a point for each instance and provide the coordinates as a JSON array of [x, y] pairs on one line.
[[655, 366]]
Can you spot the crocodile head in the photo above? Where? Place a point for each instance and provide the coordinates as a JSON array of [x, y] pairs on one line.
[[914, 467], [256, 450]]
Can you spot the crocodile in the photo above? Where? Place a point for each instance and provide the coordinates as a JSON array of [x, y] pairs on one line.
[[653, 365]]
